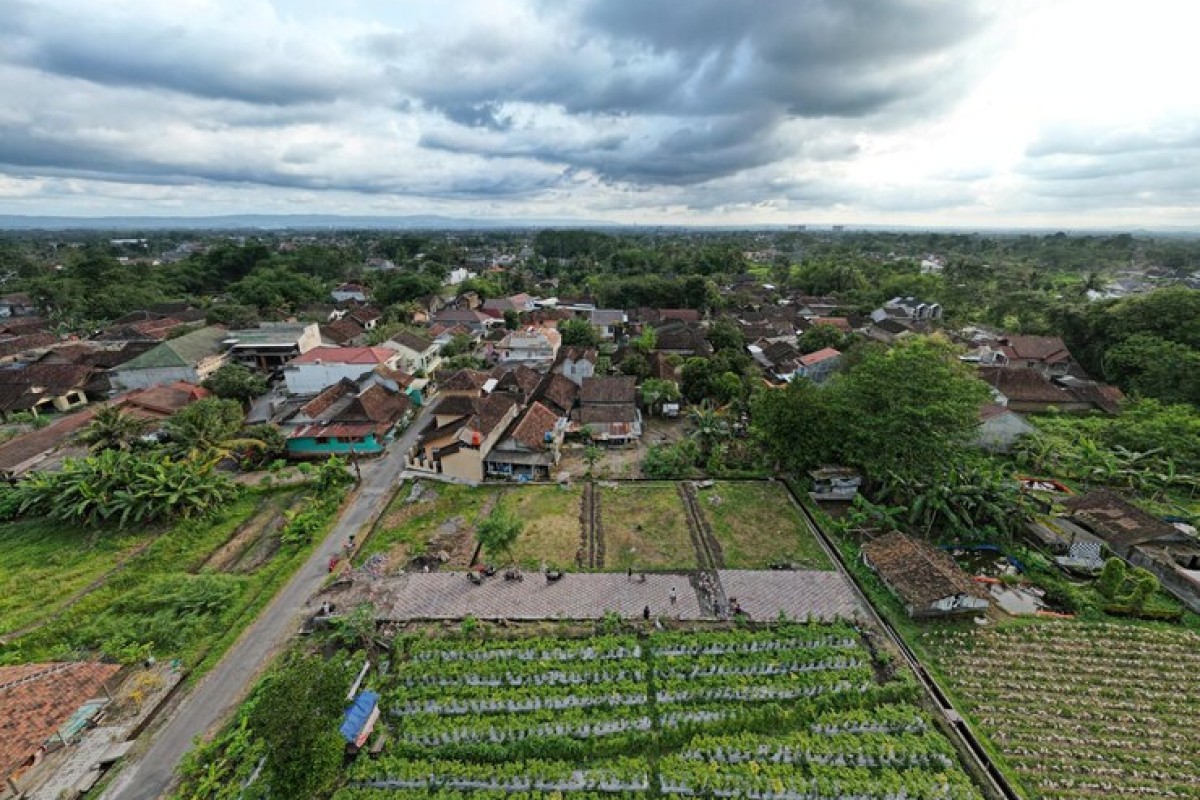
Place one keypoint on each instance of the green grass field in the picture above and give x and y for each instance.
(757, 526)
(552, 526)
(161, 601)
(645, 528)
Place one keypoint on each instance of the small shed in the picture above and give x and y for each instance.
(925, 579)
(835, 483)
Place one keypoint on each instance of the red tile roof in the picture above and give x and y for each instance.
(821, 355)
(1046, 349)
(36, 699)
(160, 402)
(346, 355)
(533, 426)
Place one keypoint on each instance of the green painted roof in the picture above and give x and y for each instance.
(184, 351)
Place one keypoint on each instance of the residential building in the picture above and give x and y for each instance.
(1047, 354)
(914, 309)
(835, 483)
(576, 363)
(157, 403)
(476, 321)
(44, 387)
(271, 345)
(343, 332)
(347, 418)
(606, 321)
(531, 346)
(365, 317)
(1142, 540)
(417, 353)
(322, 367)
(530, 448)
(350, 292)
(1028, 390)
(818, 366)
(925, 579)
(17, 304)
(14, 347)
(458, 275)
(191, 357)
(36, 702)
(463, 433)
(683, 338)
(608, 410)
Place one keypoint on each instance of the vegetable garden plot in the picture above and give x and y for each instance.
(789, 713)
(1083, 710)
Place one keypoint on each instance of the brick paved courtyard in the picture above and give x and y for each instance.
(799, 595)
(449, 595)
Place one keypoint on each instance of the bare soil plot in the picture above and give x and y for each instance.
(645, 527)
(758, 527)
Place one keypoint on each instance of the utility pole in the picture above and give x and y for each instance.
(357, 470)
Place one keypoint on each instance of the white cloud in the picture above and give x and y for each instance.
(931, 112)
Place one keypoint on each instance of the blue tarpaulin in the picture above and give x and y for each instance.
(357, 715)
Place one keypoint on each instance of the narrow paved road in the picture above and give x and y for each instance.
(226, 685)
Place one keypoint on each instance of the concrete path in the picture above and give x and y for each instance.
(219, 692)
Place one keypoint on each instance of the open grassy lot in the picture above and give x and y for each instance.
(46, 563)
(429, 517)
(171, 598)
(552, 526)
(757, 526)
(442, 518)
(645, 527)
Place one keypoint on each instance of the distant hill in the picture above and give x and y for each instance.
(284, 222)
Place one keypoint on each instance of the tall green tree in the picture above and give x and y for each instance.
(236, 382)
(498, 532)
(578, 333)
(908, 409)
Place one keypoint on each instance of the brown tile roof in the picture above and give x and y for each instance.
(603, 415)
(533, 426)
(681, 314)
(412, 341)
(107, 359)
(1024, 385)
(327, 397)
(342, 332)
(1047, 349)
(160, 402)
(32, 341)
(1120, 523)
(54, 378)
(36, 699)
(918, 572)
(19, 453)
(780, 352)
(524, 379)
(577, 353)
(561, 392)
(22, 325)
(75, 353)
(823, 354)
(464, 380)
(491, 409)
(455, 405)
(364, 315)
(377, 404)
(621, 389)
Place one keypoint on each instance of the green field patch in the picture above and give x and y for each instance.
(645, 527)
(757, 527)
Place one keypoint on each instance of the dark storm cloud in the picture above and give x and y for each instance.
(176, 57)
(708, 87)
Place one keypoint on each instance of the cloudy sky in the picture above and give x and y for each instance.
(922, 112)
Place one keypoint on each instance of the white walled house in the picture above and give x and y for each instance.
(417, 354)
(322, 367)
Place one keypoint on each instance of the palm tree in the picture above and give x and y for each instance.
(208, 431)
(113, 429)
(710, 427)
